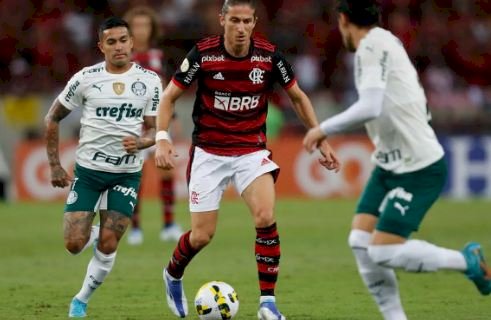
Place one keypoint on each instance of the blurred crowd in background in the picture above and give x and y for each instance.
(44, 42)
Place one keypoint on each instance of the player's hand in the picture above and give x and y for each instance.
(165, 154)
(59, 177)
(314, 139)
(329, 160)
(131, 144)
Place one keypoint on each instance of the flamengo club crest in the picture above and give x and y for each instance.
(118, 88)
(256, 76)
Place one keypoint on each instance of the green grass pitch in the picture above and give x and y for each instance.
(318, 278)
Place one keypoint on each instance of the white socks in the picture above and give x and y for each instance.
(99, 267)
(381, 282)
(94, 234)
(417, 256)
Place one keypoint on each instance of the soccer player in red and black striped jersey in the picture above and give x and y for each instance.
(144, 25)
(235, 74)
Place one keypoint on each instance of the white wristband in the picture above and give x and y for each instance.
(162, 135)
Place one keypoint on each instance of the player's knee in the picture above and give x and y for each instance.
(200, 239)
(264, 217)
(107, 246)
(359, 239)
(75, 246)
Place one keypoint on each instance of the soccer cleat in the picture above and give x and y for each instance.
(135, 237)
(268, 311)
(176, 299)
(77, 309)
(171, 233)
(477, 269)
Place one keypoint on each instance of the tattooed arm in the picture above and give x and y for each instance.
(132, 144)
(59, 177)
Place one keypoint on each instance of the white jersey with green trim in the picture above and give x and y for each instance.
(113, 107)
(404, 141)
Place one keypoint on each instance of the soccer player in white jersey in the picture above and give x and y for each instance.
(409, 169)
(116, 98)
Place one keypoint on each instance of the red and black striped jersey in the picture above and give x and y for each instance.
(231, 103)
(151, 60)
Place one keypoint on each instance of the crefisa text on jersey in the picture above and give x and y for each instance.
(126, 110)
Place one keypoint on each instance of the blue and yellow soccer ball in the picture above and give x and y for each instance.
(216, 300)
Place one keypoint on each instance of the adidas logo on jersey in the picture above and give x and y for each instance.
(218, 76)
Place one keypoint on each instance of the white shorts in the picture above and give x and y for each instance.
(210, 174)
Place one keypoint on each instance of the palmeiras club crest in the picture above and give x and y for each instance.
(139, 88)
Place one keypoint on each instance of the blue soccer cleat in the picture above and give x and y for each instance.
(176, 299)
(77, 309)
(477, 270)
(268, 311)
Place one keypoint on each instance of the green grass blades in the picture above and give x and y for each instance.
(318, 278)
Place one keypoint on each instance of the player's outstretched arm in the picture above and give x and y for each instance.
(165, 153)
(303, 107)
(57, 112)
(133, 144)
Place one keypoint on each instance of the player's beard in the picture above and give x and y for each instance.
(120, 62)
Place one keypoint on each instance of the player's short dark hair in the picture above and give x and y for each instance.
(145, 11)
(363, 13)
(112, 22)
(230, 3)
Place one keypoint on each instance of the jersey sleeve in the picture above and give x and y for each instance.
(283, 71)
(72, 95)
(154, 101)
(372, 64)
(189, 69)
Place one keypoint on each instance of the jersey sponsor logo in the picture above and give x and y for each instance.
(118, 88)
(139, 88)
(94, 70)
(261, 59)
(191, 73)
(126, 110)
(184, 65)
(194, 197)
(390, 156)
(98, 87)
(114, 160)
(383, 64)
(257, 76)
(126, 191)
(71, 91)
(72, 197)
(284, 73)
(218, 76)
(212, 58)
(401, 208)
(398, 194)
(155, 98)
(137, 66)
(236, 103)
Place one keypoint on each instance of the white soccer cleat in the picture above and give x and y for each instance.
(174, 292)
(135, 237)
(268, 311)
(171, 233)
